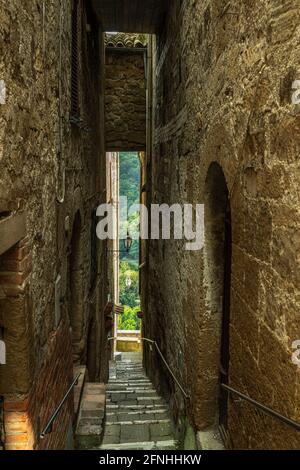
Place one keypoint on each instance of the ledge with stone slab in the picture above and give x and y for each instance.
(90, 424)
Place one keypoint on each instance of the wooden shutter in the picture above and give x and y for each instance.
(74, 65)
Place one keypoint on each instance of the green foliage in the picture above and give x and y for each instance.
(129, 295)
(130, 177)
(129, 319)
(130, 187)
(129, 263)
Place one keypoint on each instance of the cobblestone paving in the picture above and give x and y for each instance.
(136, 417)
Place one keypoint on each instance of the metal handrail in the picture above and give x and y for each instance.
(167, 366)
(269, 411)
(48, 428)
(265, 409)
(164, 361)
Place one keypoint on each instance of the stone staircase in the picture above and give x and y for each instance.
(136, 417)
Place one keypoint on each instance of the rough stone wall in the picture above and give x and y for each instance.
(1, 425)
(224, 74)
(26, 416)
(39, 149)
(125, 101)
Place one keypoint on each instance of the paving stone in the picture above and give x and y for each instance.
(145, 401)
(128, 402)
(112, 418)
(136, 416)
(90, 421)
(112, 434)
(110, 440)
(113, 430)
(135, 433)
(160, 430)
(92, 405)
(94, 389)
(92, 413)
(161, 416)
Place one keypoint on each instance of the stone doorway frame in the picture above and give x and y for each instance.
(15, 320)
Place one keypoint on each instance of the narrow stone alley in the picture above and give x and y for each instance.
(137, 418)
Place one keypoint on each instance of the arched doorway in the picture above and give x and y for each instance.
(75, 289)
(218, 253)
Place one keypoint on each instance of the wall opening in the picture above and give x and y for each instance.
(15, 338)
(218, 249)
(129, 323)
(124, 184)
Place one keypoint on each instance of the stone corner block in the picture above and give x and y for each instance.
(209, 439)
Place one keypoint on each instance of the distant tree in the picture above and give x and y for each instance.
(130, 176)
(129, 295)
(130, 187)
(129, 263)
(129, 319)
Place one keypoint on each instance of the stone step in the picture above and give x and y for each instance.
(134, 432)
(133, 378)
(140, 383)
(146, 421)
(131, 386)
(143, 417)
(129, 380)
(122, 389)
(159, 445)
(111, 406)
(157, 411)
(125, 367)
(134, 401)
(119, 379)
(131, 393)
(133, 396)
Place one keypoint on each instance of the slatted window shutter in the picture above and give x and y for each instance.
(75, 109)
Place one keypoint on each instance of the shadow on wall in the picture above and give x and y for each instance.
(75, 290)
(217, 275)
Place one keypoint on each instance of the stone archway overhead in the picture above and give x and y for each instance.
(126, 41)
